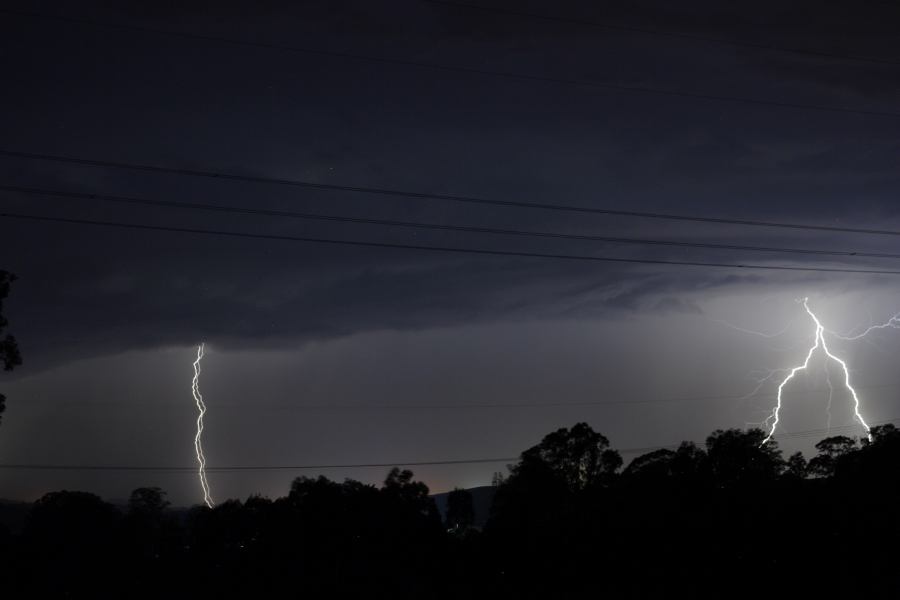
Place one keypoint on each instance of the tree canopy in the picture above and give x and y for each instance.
(689, 521)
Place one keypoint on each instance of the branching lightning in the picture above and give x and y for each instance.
(892, 323)
(754, 332)
(820, 343)
(201, 407)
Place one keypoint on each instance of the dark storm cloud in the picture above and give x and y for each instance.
(193, 104)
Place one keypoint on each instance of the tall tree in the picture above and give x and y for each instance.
(796, 466)
(741, 458)
(9, 349)
(460, 511)
(149, 501)
(580, 457)
(831, 451)
(144, 523)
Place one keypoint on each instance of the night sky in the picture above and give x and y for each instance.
(324, 354)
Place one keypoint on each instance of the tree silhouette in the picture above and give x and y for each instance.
(690, 465)
(650, 468)
(400, 486)
(566, 523)
(460, 511)
(546, 514)
(796, 466)
(72, 532)
(579, 457)
(831, 451)
(76, 519)
(9, 349)
(148, 529)
(739, 458)
(872, 463)
(147, 501)
(407, 501)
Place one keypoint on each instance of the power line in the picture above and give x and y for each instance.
(454, 68)
(222, 175)
(676, 399)
(446, 249)
(433, 226)
(807, 433)
(485, 405)
(664, 33)
(58, 467)
(414, 463)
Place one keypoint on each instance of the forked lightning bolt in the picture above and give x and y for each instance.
(820, 343)
(201, 407)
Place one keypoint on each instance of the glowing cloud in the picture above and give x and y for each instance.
(201, 407)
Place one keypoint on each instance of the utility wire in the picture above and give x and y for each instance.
(664, 33)
(446, 249)
(807, 433)
(486, 405)
(431, 226)
(56, 467)
(222, 175)
(633, 89)
(414, 463)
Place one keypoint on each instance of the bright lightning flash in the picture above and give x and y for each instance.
(820, 343)
(198, 398)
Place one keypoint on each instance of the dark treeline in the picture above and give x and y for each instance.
(730, 519)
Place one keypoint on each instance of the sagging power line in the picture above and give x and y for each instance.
(229, 176)
(443, 249)
(244, 210)
(413, 463)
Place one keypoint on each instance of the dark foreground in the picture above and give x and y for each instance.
(731, 520)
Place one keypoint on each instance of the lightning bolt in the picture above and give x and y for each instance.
(754, 332)
(892, 323)
(830, 397)
(820, 343)
(201, 407)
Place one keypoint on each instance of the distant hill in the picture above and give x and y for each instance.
(482, 498)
